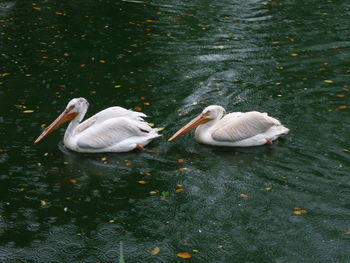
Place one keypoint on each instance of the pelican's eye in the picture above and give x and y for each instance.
(206, 114)
(70, 108)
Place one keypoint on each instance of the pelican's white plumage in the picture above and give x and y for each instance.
(114, 129)
(234, 129)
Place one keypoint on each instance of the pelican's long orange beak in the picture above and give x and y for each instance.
(65, 116)
(200, 119)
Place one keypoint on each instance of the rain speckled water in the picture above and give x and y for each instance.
(287, 202)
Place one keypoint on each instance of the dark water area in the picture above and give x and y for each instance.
(288, 202)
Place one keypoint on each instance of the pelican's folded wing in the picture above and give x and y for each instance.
(110, 113)
(240, 126)
(111, 132)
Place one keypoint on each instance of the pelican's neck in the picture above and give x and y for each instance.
(70, 132)
(202, 131)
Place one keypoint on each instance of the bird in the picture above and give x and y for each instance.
(238, 129)
(114, 129)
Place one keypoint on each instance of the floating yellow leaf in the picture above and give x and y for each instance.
(42, 203)
(179, 190)
(220, 246)
(117, 86)
(73, 181)
(279, 67)
(294, 54)
(28, 111)
(328, 81)
(195, 250)
(180, 185)
(243, 195)
(153, 192)
(142, 182)
(66, 54)
(111, 221)
(102, 61)
(137, 108)
(155, 251)
(344, 150)
(20, 106)
(184, 255)
(299, 211)
(60, 13)
(275, 42)
(146, 103)
(103, 159)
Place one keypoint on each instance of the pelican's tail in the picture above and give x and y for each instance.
(154, 134)
(276, 131)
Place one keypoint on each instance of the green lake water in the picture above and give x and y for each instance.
(288, 202)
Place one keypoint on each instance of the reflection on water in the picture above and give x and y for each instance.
(6, 8)
(173, 59)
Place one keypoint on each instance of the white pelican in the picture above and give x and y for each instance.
(114, 129)
(239, 129)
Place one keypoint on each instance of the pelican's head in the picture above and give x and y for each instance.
(78, 106)
(212, 112)
(75, 109)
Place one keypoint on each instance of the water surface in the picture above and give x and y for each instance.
(171, 59)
